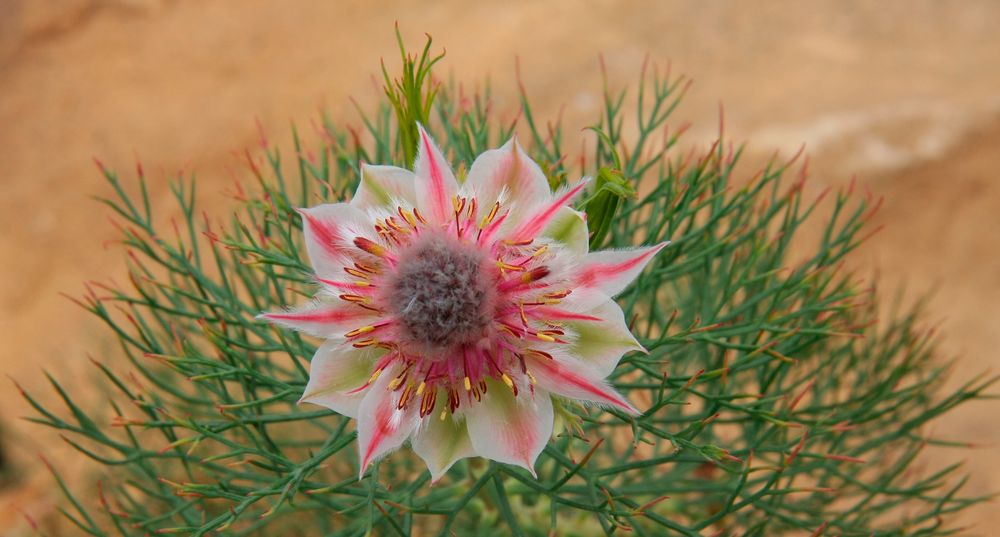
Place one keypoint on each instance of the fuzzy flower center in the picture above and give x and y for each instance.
(440, 293)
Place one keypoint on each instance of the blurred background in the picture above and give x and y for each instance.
(902, 94)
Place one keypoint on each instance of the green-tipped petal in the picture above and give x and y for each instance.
(337, 369)
(508, 428)
(601, 344)
(569, 228)
(442, 442)
(384, 186)
(382, 427)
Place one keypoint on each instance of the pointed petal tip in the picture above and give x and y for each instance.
(630, 409)
(364, 466)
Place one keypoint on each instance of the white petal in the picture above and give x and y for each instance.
(510, 429)
(508, 172)
(602, 275)
(330, 230)
(441, 443)
(336, 369)
(569, 228)
(601, 344)
(541, 215)
(326, 320)
(382, 186)
(435, 183)
(381, 426)
(571, 378)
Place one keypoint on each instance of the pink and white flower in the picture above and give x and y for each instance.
(455, 313)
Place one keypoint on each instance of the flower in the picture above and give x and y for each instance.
(455, 313)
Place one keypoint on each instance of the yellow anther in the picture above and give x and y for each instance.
(370, 246)
(408, 216)
(374, 376)
(444, 414)
(531, 377)
(506, 266)
(468, 384)
(357, 299)
(355, 272)
(507, 380)
(540, 251)
(393, 224)
(394, 383)
(419, 216)
(545, 337)
(489, 217)
(420, 389)
(365, 343)
(359, 331)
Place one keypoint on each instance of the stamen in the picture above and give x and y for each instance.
(428, 401)
(502, 265)
(405, 396)
(507, 380)
(395, 225)
(370, 247)
(535, 274)
(419, 217)
(408, 217)
(355, 272)
(542, 354)
(366, 343)
(459, 205)
(489, 217)
(359, 331)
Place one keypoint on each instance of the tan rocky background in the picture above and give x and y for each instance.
(904, 94)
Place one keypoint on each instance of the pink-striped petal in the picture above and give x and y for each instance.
(540, 217)
(435, 183)
(442, 443)
(509, 175)
(602, 275)
(381, 426)
(330, 231)
(324, 320)
(508, 428)
(335, 372)
(384, 186)
(571, 378)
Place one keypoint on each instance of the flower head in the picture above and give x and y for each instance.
(454, 313)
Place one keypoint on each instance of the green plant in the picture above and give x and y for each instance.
(774, 400)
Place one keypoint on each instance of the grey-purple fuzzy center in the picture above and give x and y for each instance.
(440, 293)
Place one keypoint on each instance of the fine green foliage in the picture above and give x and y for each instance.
(774, 401)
